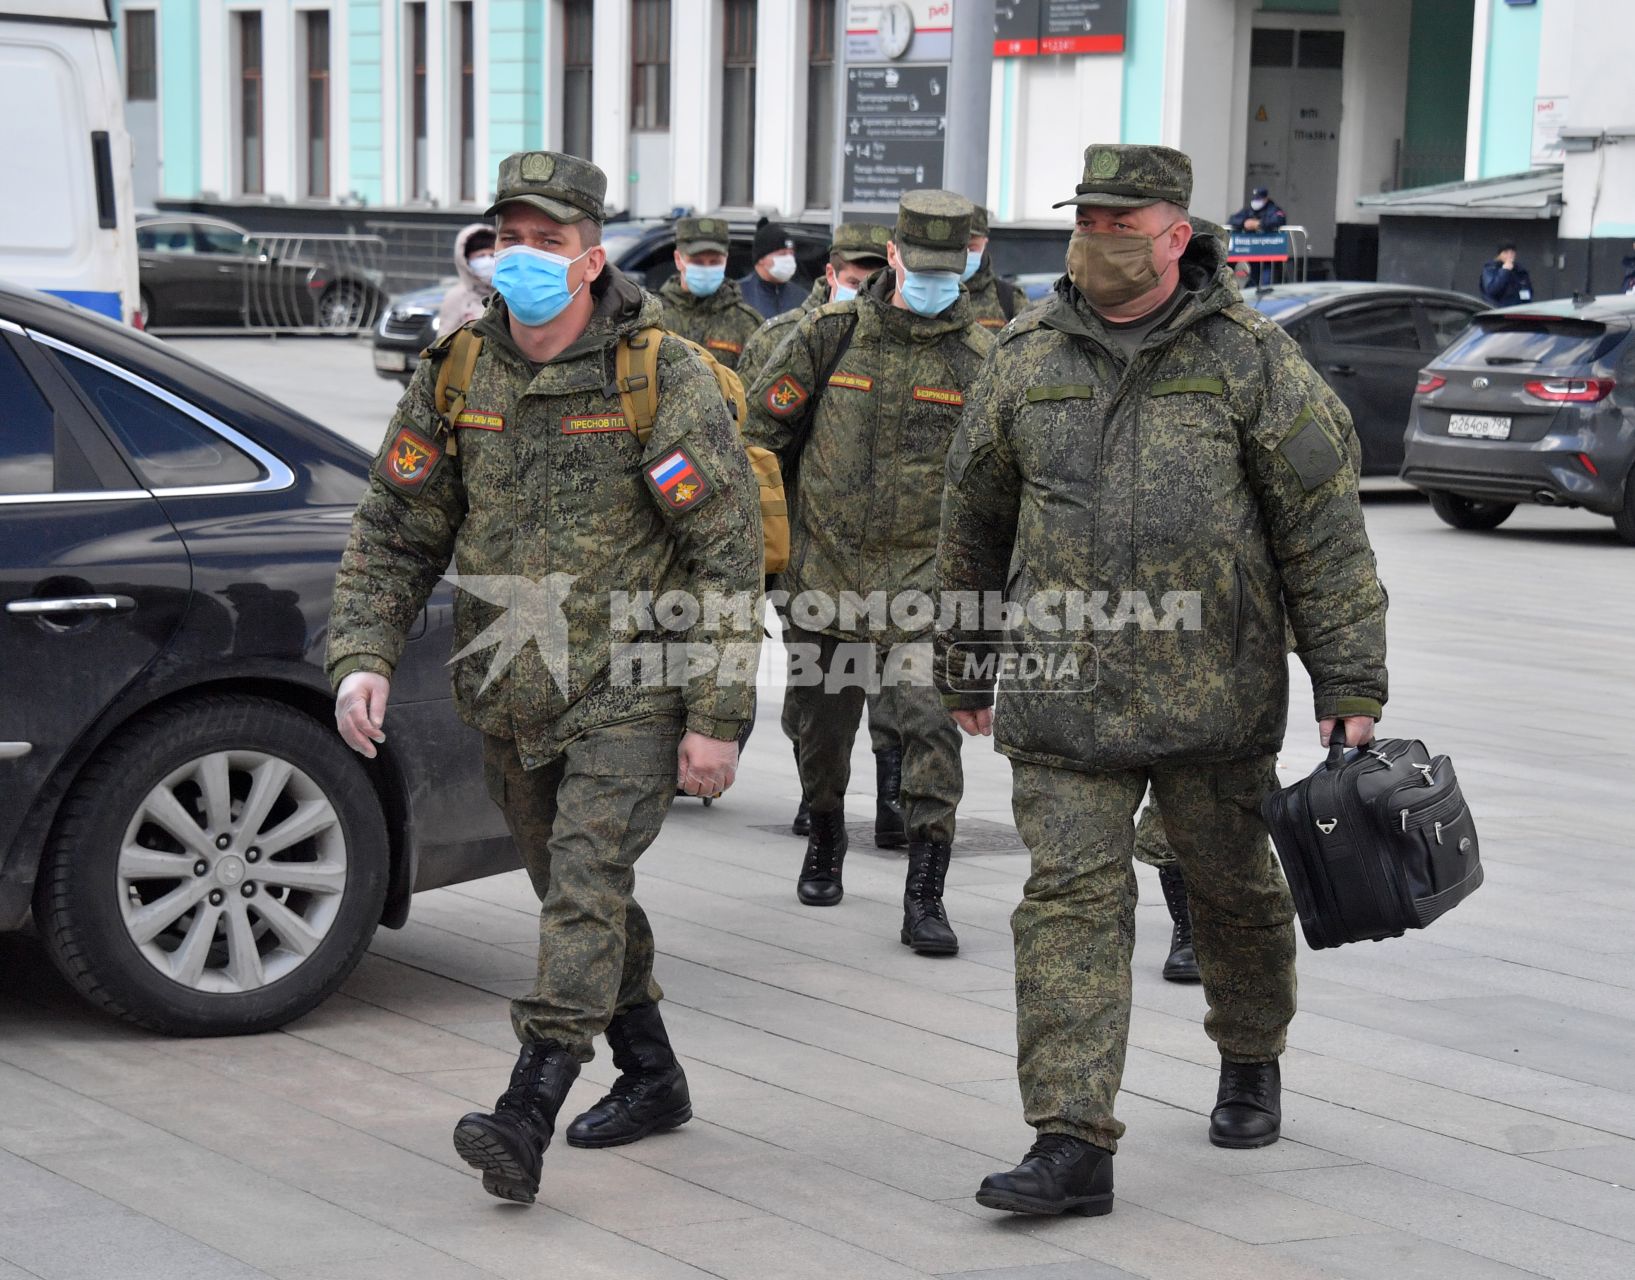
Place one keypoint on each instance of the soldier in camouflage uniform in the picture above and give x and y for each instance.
(700, 303)
(546, 503)
(993, 300)
(857, 251)
(1149, 436)
(861, 402)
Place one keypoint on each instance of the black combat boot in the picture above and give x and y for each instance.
(1249, 1106)
(819, 884)
(890, 831)
(508, 1145)
(1182, 965)
(651, 1091)
(925, 923)
(1059, 1174)
(802, 825)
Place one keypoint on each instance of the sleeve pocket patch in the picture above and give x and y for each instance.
(1066, 391)
(1310, 453)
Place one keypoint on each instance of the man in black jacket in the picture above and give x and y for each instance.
(770, 288)
(1505, 282)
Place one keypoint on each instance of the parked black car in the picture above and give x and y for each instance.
(1369, 342)
(201, 852)
(1530, 404)
(205, 271)
(643, 249)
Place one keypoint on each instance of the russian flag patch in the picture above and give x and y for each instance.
(678, 480)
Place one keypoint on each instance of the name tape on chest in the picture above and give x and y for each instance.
(852, 381)
(785, 396)
(409, 460)
(721, 344)
(940, 395)
(590, 424)
(679, 480)
(479, 421)
(991, 322)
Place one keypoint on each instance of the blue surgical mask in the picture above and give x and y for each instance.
(702, 281)
(973, 261)
(930, 293)
(842, 293)
(534, 283)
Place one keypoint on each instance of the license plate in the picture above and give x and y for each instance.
(391, 361)
(1479, 426)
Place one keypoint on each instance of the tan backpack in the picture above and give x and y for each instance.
(636, 374)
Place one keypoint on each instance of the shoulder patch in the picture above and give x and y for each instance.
(785, 396)
(1310, 453)
(409, 461)
(678, 480)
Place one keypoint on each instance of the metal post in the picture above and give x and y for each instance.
(965, 166)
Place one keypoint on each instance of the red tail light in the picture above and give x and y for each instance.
(1588, 464)
(1571, 390)
(136, 320)
(1428, 382)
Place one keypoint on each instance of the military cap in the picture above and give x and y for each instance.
(1121, 176)
(932, 228)
(562, 186)
(861, 242)
(979, 220)
(702, 235)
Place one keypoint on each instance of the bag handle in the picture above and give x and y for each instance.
(1336, 744)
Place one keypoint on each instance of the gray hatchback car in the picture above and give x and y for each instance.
(1534, 403)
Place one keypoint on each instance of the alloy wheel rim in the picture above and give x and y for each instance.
(231, 871)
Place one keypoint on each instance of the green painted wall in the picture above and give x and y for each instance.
(516, 54)
(365, 57)
(179, 99)
(1512, 84)
(1141, 114)
(1433, 137)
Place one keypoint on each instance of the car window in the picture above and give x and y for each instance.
(1274, 304)
(1550, 341)
(220, 240)
(165, 237)
(1447, 323)
(1390, 325)
(27, 434)
(168, 448)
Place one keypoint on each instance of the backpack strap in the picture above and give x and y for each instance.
(454, 380)
(636, 377)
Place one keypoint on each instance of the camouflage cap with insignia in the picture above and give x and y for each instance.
(1123, 176)
(861, 242)
(979, 220)
(561, 186)
(702, 235)
(932, 228)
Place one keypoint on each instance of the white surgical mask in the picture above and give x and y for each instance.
(1257, 204)
(782, 268)
(482, 266)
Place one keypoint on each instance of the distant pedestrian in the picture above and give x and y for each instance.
(1261, 216)
(1505, 281)
(770, 287)
(474, 264)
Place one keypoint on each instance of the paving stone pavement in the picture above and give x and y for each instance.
(1458, 1104)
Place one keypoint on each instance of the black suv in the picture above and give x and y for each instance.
(1530, 404)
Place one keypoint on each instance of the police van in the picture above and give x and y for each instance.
(67, 225)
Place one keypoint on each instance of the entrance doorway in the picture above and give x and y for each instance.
(1294, 126)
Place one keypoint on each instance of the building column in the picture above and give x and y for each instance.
(781, 51)
(695, 107)
(610, 93)
(367, 59)
(280, 171)
(1202, 103)
(180, 137)
(515, 52)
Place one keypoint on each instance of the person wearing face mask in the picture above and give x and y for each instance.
(1260, 216)
(474, 264)
(857, 252)
(700, 303)
(1142, 437)
(993, 298)
(546, 503)
(770, 287)
(860, 402)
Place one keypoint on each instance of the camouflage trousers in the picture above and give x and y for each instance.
(1152, 846)
(826, 723)
(1075, 927)
(580, 822)
(885, 733)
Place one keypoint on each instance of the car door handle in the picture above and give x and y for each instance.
(15, 750)
(71, 604)
(1341, 370)
(226, 271)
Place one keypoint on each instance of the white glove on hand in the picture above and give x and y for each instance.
(360, 710)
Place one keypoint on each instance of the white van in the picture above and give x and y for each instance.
(67, 225)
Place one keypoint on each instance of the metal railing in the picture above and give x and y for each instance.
(308, 283)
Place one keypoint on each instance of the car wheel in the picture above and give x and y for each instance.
(144, 308)
(1624, 518)
(343, 308)
(1470, 513)
(218, 868)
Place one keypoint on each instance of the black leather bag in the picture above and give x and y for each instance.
(1375, 842)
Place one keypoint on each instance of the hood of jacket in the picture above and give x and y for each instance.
(461, 268)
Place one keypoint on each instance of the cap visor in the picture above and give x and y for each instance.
(919, 257)
(868, 256)
(555, 209)
(1107, 202)
(702, 246)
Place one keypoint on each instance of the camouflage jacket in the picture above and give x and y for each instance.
(1216, 465)
(870, 447)
(758, 350)
(548, 506)
(721, 323)
(986, 309)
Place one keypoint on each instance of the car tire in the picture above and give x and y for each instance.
(1624, 518)
(344, 308)
(154, 845)
(1469, 513)
(144, 307)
